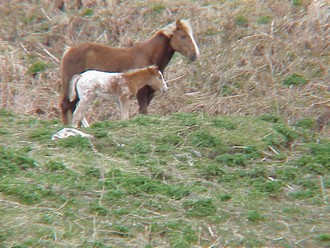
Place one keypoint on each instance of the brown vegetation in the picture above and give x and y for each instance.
(248, 48)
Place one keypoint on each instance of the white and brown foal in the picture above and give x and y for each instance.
(121, 87)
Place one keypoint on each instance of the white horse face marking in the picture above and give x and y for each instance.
(157, 81)
(164, 89)
(183, 40)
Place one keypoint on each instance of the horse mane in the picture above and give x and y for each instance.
(137, 74)
(170, 28)
(130, 71)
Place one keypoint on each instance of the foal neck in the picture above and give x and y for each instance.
(138, 79)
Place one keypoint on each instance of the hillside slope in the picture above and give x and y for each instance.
(256, 56)
(236, 155)
(181, 180)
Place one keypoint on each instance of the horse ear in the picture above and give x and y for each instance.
(178, 24)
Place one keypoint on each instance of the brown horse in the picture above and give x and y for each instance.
(158, 50)
(121, 87)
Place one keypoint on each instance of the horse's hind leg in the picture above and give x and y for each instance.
(84, 121)
(79, 113)
(65, 106)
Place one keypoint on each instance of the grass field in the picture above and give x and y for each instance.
(182, 180)
(236, 155)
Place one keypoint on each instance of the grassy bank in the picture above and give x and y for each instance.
(183, 180)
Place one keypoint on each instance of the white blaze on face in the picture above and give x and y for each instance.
(191, 35)
(164, 88)
(194, 42)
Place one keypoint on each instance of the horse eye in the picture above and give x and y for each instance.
(183, 36)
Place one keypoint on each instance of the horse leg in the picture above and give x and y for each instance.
(150, 95)
(84, 121)
(124, 108)
(79, 113)
(65, 106)
(141, 97)
(144, 97)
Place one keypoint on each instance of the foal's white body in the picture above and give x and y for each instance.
(121, 87)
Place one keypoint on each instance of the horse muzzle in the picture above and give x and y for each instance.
(164, 89)
(193, 56)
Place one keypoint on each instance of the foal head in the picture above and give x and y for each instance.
(157, 81)
(182, 39)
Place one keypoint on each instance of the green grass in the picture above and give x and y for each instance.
(157, 181)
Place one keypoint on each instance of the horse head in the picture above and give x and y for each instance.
(157, 81)
(183, 41)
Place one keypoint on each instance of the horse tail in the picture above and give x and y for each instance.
(73, 87)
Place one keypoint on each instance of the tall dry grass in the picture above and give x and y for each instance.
(248, 48)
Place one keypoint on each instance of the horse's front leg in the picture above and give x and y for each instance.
(141, 97)
(150, 96)
(144, 97)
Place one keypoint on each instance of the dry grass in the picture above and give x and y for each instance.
(247, 47)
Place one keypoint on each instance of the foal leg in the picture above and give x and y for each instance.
(124, 103)
(84, 122)
(79, 113)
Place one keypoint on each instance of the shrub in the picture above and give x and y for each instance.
(12, 161)
(55, 166)
(264, 19)
(178, 192)
(212, 170)
(205, 139)
(297, 3)
(294, 79)
(241, 21)
(225, 197)
(324, 237)
(74, 142)
(200, 208)
(36, 68)
(255, 216)
(87, 12)
(141, 148)
(99, 209)
(41, 133)
(273, 118)
(306, 123)
(158, 8)
(232, 159)
(316, 160)
(288, 133)
(221, 123)
(271, 187)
